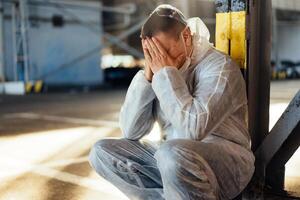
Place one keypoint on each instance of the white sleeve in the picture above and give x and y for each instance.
(198, 114)
(136, 117)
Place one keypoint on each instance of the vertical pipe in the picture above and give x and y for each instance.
(14, 41)
(2, 75)
(275, 37)
(24, 26)
(101, 27)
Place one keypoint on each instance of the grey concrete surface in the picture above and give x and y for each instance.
(45, 140)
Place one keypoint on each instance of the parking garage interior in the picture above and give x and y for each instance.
(65, 67)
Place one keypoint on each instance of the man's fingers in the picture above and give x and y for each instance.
(154, 48)
(145, 50)
(150, 49)
(160, 48)
(147, 55)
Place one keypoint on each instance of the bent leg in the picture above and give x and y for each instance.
(129, 165)
(186, 175)
(200, 170)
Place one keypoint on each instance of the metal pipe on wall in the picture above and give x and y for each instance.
(14, 42)
(2, 73)
(24, 27)
(275, 37)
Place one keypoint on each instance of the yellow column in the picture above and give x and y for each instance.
(231, 35)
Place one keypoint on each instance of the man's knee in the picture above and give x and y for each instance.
(174, 155)
(168, 156)
(178, 161)
(98, 151)
(104, 149)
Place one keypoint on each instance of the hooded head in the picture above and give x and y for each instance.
(169, 26)
(178, 35)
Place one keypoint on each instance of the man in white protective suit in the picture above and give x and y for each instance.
(198, 97)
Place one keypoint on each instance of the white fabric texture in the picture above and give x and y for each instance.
(201, 109)
(205, 99)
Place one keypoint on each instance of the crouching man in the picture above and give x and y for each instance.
(198, 97)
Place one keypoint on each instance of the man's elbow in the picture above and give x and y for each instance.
(136, 131)
(131, 134)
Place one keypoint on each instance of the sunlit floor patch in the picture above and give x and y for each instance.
(276, 109)
(42, 153)
(72, 120)
(292, 173)
(34, 186)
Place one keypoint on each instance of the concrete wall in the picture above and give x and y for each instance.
(288, 41)
(286, 4)
(52, 47)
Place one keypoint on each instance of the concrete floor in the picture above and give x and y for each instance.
(45, 140)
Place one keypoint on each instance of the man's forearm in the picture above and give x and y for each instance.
(136, 116)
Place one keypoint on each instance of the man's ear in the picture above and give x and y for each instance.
(187, 36)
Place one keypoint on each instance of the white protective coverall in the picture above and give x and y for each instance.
(201, 109)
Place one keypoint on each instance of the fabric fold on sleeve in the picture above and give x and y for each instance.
(136, 117)
(193, 116)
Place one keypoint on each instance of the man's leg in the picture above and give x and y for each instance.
(185, 173)
(129, 165)
(193, 170)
